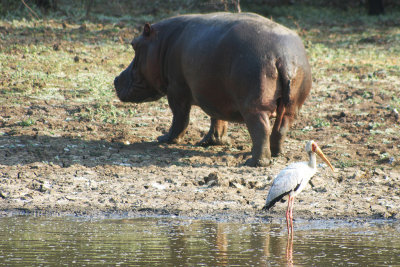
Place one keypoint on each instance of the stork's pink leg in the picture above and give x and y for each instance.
(291, 213)
(288, 214)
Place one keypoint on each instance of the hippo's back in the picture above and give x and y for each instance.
(232, 34)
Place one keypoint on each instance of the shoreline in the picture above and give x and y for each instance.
(218, 217)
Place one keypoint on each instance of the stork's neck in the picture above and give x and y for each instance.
(313, 160)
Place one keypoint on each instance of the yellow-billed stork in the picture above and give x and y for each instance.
(292, 180)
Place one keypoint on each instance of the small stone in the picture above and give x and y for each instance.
(320, 189)
(252, 184)
(211, 177)
(2, 195)
(380, 211)
(236, 185)
(56, 47)
(212, 183)
(396, 114)
(356, 175)
(83, 27)
(380, 74)
(214, 179)
(379, 172)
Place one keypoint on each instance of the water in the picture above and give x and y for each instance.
(50, 241)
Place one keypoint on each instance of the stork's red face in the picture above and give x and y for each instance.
(314, 147)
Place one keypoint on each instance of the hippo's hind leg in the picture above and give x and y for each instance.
(216, 134)
(284, 119)
(259, 128)
(180, 107)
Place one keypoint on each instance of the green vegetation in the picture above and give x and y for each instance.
(27, 123)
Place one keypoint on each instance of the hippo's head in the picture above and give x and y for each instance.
(141, 81)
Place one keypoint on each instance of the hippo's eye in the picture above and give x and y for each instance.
(134, 44)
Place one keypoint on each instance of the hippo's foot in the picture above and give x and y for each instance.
(166, 138)
(275, 151)
(251, 162)
(209, 141)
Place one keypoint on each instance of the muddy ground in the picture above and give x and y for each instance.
(61, 154)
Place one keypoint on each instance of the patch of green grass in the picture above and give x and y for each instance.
(103, 112)
(346, 163)
(374, 125)
(354, 100)
(320, 123)
(27, 123)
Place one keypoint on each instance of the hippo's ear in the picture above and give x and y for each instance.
(147, 30)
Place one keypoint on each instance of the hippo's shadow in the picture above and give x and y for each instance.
(66, 151)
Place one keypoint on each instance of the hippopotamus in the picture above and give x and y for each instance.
(237, 67)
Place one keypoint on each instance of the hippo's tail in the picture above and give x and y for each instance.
(285, 79)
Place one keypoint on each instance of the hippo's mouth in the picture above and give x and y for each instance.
(145, 96)
(136, 92)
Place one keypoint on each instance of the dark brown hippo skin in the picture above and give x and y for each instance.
(237, 67)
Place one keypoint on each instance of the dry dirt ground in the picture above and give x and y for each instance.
(63, 153)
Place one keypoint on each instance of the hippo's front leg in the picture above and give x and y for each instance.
(180, 107)
(259, 128)
(216, 134)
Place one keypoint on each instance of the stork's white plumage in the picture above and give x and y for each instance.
(292, 180)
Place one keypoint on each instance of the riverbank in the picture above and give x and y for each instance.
(189, 191)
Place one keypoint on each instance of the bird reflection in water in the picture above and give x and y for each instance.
(289, 250)
(222, 245)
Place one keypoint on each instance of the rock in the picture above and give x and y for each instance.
(358, 174)
(396, 114)
(236, 185)
(213, 176)
(252, 184)
(380, 74)
(320, 189)
(158, 186)
(56, 47)
(214, 179)
(379, 172)
(212, 183)
(83, 27)
(379, 211)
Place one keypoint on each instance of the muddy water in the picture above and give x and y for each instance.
(28, 240)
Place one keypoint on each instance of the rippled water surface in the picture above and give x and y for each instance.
(26, 240)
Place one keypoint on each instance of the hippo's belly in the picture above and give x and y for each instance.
(222, 109)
